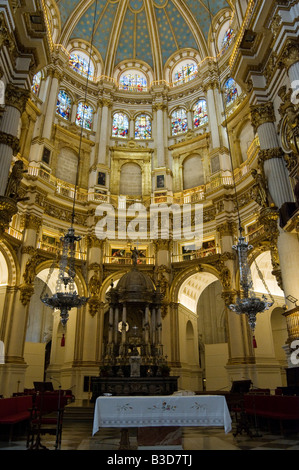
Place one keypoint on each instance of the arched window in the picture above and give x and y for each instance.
(63, 105)
(184, 72)
(36, 83)
(120, 125)
(227, 39)
(84, 116)
(81, 64)
(200, 114)
(230, 91)
(133, 81)
(143, 127)
(179, 122)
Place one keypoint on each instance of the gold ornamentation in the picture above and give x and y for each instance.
(260, 192)
(290, 54)
(11, 141)
(30, 269)
(16, 97)
(26, 291)
(261, 114)
(290, 120)
(8, 208)
(31, 221)
(268, 154)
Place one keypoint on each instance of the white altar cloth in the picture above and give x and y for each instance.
(170, 410)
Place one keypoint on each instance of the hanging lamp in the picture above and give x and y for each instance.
(66, 297)
(246, 302)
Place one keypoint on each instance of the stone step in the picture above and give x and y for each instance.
(79, 411)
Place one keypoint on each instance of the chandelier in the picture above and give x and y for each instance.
(246, 303)
(66, 297)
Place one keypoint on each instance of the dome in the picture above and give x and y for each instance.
(135, 286)
(149, 33)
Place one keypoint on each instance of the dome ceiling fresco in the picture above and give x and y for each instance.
(148, 31)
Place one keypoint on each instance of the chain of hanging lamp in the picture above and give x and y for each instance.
(66, 297)
(246, 303)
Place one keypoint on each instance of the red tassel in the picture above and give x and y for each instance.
(62, 341)
(254, 342)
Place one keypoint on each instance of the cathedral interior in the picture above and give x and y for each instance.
(196, 102)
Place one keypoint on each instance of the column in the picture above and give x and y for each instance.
(272, 163)
(212, 115)
(15, 102)
(104, 132)
(55, 78)
(159, 108)
(124, 321)
(116, 321)
(110, 329)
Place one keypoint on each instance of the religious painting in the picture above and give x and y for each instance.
(84, 116)
(160, 181)
(101, 178)
(200, 114)
(143, 127)
(63, 105)
(179, 123)
(120, 125)
(81, 65)
(46, 155)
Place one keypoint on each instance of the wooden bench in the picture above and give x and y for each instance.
(15, 410)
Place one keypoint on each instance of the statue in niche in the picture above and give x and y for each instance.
(262, 196)
(30, 269)
(14, 180)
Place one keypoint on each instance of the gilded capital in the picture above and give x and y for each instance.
(268, 154)
(261, 114)
(11, 141)
(31, 221)
(16, 97)
(290, 54)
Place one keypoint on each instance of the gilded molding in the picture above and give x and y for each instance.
(290, 54)
(31, 221)
(268, 154)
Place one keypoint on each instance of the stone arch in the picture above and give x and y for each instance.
(12, 265)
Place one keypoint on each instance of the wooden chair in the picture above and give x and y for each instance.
(46, 418)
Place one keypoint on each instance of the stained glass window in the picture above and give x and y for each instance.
(230, 91)
(133, 82)
(36, 83)
(184, 73)
(120, 125)
(143, 127)
(228, 37)
(84, 115)
(200, 114)
(63, 105)
(179, 122)
(81, 64)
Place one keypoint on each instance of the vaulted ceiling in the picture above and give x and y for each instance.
(149, 31)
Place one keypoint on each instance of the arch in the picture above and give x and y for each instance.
(136, 65)
(264, 264)
(130, 183)
(187, 273)
(12, 266)
(176, 58)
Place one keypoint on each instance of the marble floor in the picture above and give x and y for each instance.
(77, 436)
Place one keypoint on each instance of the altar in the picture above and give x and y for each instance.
(169, 412)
